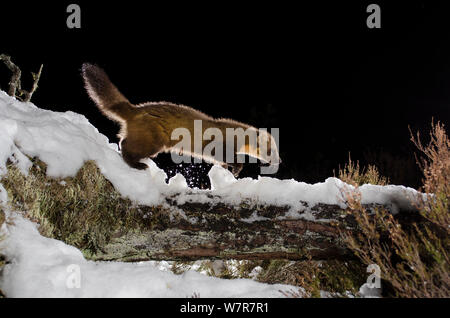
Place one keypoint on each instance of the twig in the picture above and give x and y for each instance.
(15, 84)
(36, 77)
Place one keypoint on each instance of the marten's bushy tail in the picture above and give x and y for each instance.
(103, 92)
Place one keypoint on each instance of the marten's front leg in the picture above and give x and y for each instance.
(236, 168)
(133, 161)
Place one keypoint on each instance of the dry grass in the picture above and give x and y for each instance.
(355, 175)
(84, 211)
(413, 256)
(435, 165)
(334, 276)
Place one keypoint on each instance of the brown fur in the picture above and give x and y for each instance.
(146, 128)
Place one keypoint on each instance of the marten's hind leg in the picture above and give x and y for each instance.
(133, 157)
(133, 161)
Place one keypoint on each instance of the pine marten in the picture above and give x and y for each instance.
(147, 129)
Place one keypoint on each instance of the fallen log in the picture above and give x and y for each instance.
(220, 231)
(87, 212)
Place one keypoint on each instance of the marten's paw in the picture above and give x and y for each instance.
(236, 169)
(133, 161)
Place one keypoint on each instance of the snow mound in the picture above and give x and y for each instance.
(65, 141)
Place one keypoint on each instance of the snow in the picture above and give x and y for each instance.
(65, 141)
(368, 291)
(3, 195)
(43, 267)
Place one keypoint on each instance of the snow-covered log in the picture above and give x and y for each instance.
(220, 231)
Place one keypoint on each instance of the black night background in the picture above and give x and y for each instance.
(314, 70)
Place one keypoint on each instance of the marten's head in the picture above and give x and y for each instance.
(268, 148)
(264, 147)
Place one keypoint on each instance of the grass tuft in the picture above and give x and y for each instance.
(84, 211)
(353, 174)
(334, 276)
